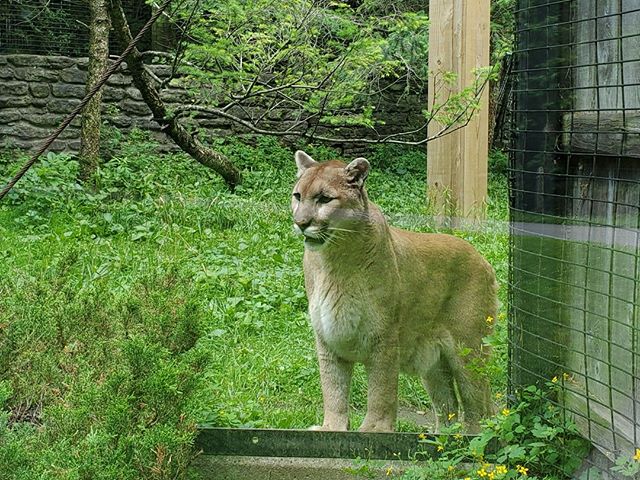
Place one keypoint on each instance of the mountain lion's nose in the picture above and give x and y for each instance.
(303, 224)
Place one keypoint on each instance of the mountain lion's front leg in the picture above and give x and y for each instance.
(382, 396)
(335, 378)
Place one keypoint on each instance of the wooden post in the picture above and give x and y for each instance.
(457, 162)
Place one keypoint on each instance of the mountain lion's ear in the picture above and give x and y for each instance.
(304, 161)
(357, 171)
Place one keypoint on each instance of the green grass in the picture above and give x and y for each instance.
(161, 299)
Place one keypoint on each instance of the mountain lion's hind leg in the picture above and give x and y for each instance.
(439, 383)
(473, 386)
(475, 394)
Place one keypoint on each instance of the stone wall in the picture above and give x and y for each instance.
(36, 92)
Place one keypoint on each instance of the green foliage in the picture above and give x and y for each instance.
(40, 27)
(627, 465)
(498, 162)
(408, 42)
(323, 55)
(533, 440)
(312, 64)
(502, 28)
(47, 184)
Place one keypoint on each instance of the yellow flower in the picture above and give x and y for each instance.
(489, 320)
(450, 468)
(422, 436)
(522, 470)
(389, 471)
(636, 457)
(491, 475)
(482, 473)
(502, 316)
(451, 416)
(566, 376)
(501, 470)
(440, 448)
(457, 436)
(554, 380)
(506, 411)
(498, 396)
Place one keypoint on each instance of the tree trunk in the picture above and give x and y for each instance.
(91, 120)
(170, 125)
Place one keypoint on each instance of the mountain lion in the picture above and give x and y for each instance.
(391, 299)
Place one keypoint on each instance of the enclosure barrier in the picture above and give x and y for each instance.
(61, 27)
(575, 211)
(230, 453)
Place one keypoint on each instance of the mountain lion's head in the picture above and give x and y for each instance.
(329, 199)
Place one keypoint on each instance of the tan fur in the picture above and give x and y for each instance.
(391, 299)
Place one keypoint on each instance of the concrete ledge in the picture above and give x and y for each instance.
(223, 467)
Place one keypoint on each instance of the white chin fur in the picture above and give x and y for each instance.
(313, 246)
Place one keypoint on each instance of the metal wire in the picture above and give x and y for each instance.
(575, 211)
(69, 118)
(59, 27)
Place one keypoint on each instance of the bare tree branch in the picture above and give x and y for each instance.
(391, 138)
(170, 125)
(460, 120)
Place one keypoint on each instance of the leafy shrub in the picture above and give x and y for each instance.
(534, 440)
(628, 465)
(498, 162)
(49, 183)
(114, 377)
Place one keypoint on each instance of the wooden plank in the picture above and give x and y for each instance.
(315, 444)
(604, 133)
(602, 295)
(457, 162)
(594, 421)
(607, 55)
(631, 53)
(585, 71)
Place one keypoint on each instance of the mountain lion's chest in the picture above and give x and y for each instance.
(343, 318)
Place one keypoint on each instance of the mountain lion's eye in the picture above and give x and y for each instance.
(296, 196)
(324, 199)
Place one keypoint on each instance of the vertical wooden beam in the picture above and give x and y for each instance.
(457, 162)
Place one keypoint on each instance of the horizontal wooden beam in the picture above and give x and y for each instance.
(603, 133)
(315, 444)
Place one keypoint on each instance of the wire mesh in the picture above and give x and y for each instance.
(58, 27)
(575, 212)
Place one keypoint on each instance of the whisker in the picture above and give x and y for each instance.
(342, 229)
(330, 239)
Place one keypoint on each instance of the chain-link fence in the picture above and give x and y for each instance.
(58, 27)
(575, 211)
